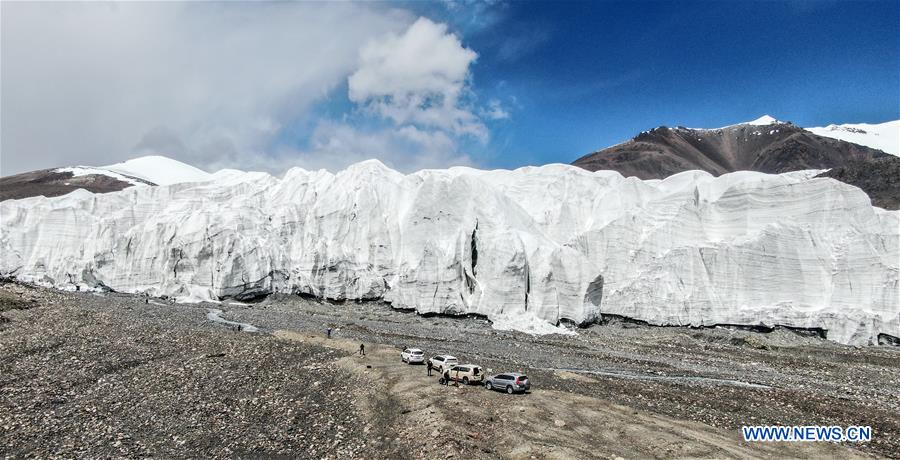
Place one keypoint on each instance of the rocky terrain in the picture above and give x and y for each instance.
(774, 147)
(880, 178)
(50, 182)
(147, 170)
(103, 374)
(96, 377)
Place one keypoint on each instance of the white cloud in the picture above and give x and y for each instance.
(234, 85)
(208, 83)
(415, 101)
(495, 110)
(418, 77)
(336, 145)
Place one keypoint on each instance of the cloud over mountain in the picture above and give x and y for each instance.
(214, 84)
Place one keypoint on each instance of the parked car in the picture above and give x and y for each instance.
(511, 382)
(441, 362)
(466, 373)
(412, 355)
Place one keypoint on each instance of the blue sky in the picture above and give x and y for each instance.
(591, 74)
(269, 86)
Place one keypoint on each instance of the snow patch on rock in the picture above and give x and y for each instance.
(88, 171)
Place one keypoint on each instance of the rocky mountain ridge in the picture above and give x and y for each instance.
(765, 145)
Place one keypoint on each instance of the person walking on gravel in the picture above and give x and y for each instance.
(362, 349)
(329, 332)
(428, 366)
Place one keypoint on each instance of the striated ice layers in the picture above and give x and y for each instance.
(544, 244)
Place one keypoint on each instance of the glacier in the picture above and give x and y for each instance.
(529, 247)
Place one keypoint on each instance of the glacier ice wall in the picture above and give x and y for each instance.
(550, 243)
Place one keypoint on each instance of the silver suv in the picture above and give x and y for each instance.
(511, 382)
(412, 355)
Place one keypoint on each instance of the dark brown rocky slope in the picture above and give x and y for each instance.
(772, 148)
(880, 178)
(50, 182)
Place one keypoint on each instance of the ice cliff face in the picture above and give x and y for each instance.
(534, 245)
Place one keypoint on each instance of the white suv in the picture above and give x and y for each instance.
(466, 373)
(441, 362)
(412, 355)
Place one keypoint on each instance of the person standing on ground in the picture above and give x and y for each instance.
(362, 349)
(428, 366)
(328, 332)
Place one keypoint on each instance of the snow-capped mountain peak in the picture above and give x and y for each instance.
(763, 121)
(882, 136)
(151, 169)
(159, 170)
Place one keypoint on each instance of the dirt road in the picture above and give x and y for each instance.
(431, 421)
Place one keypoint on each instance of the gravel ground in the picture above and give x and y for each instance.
(92, 376)
(123, 376)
